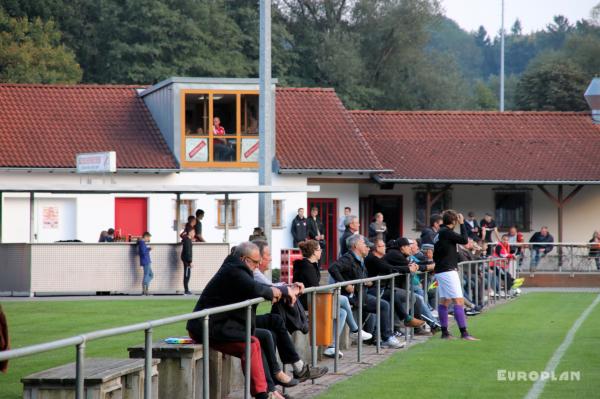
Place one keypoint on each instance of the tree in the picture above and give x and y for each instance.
(517, 28)
(31, 52)
(552, 83)
(484, 98)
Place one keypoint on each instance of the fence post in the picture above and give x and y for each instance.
(205, 359)
(378, 315)
(337, 329)
(313, 328)
(506, 288)
(248, 354)
(392, 302)
(469, 276)
(79, 371)
(408, 302)
(148, 364)
(476, 285)
(360, 323)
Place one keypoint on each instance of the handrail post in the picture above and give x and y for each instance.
(411, 295)
(148, 364)
(79, 371)
(476, 285)
(392, 303)
(205, 359)
(337, 330)
(313, 328)
(406, 328)
(469, 276)
(360, 323)
(378, 312)
(506, 266)
(248, 354)
(426, 288)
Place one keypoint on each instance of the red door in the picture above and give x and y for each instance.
(131, 217)
(328, 213)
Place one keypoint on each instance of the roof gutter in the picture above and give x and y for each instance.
(380, 179)
(332, 171)
(74, 170)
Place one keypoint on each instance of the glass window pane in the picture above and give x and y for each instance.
(225, 150)
(249, 114)
(230, 213)
(196, 114)
(196, 149)
(249, 150)
(224, 114)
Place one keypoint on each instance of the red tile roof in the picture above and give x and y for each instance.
(45, 126)
(481, 146)
(316, 132)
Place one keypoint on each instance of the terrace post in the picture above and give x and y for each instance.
(79, 370)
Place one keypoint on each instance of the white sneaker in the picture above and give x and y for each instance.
(330, 352)
(364, 335)
(392, 342)
(435, 314)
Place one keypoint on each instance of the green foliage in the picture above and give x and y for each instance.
(31, 52)
(552, 83)
(484, 97)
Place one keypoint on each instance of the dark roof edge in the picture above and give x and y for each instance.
(381, 179)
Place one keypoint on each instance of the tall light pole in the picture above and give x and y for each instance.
(502, 61)
(265, 120)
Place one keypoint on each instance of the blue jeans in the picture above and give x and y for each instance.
(535, 258)
(148, 275)
(346, 316)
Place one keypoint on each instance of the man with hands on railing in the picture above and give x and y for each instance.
(234, 283)
(350, 266)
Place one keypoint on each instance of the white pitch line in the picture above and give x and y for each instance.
(537, 388)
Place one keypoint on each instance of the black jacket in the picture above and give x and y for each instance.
(186, 249)
(347, 268)
(400, 263)
(538, 237)
(234, 282)
(343, 238)
(472, 235)
(308, 274)
(445, 253)
(313, 227)
(299, 230)
(427, 235)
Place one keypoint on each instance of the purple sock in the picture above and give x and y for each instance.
(459, 316)
(443, 315)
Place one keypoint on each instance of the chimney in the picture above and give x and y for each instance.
(592, 96)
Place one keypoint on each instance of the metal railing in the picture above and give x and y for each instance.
(565, 257)
(80, 341)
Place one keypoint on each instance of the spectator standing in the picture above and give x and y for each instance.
(145, 262)
(234, 283)
(543, 248)
(428, 233)
(595, 248)
(341, 226)
(352, 225)
(257, 234)
(198, 227)
(186, 256)
(473, 229)
(299, 228)
(103, 235)
(378, 228)
(315, 228)
(489, 232)
(111, 235)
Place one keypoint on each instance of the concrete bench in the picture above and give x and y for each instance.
(104, 379)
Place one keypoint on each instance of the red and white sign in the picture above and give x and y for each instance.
(196, 149)
(97, 162)
(250, 150)
(50, 217)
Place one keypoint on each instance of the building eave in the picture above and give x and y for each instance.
(381, 179)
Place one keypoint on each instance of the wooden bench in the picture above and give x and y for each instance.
(104, 379)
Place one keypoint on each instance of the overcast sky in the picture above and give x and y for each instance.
(534, 14)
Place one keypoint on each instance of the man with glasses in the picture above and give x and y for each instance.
(234, 283)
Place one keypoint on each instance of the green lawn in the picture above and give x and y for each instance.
(34, 322)
(521, 335)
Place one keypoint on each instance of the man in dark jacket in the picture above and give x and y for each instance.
(472, 226)
(350, 266)
(539, 251)
(316, 229)
(428, 233)
(352, 226)
(188, 235)
(378, 266)
(299, 227)
(233, 283)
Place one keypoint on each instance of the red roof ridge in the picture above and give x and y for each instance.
(72, 86)
(309, 89)
(465, 112)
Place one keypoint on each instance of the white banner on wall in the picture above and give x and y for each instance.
(196, 149)
(97, 162)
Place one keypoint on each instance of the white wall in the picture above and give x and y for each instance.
(96, 212)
